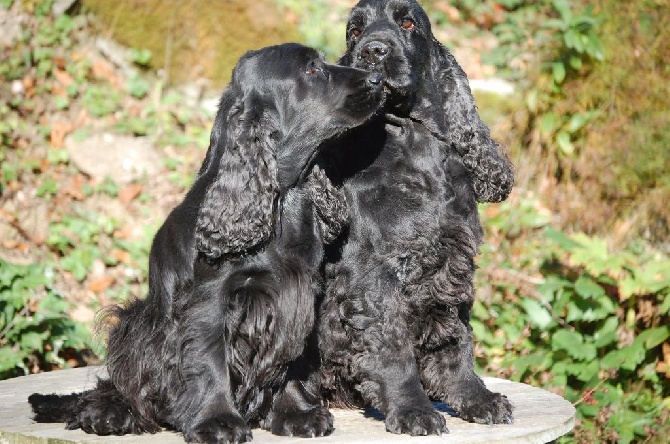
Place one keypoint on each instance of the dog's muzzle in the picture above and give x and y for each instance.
(374, 52)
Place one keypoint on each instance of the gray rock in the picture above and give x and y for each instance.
(10, 26)
(60, 7)
(121, 158)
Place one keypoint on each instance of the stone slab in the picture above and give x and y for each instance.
(540, 417)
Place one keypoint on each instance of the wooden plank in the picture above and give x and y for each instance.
(539, 417)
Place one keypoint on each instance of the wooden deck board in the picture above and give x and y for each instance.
(540, 416)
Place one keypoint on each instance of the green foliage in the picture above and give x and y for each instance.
(138, 87)
(321, 24)
(34, 326)
(47, 82)
(101, 100)
(141, 57)
(570, 313)
(568, 43)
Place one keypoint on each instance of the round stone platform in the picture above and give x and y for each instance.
(539, 417)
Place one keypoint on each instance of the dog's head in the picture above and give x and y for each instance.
(283, 104)
(394, 38)
(423, 80)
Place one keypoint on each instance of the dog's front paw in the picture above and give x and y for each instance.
(492, 408)
(104, 417)
(416, 421)
(306, 424)
(219, 430)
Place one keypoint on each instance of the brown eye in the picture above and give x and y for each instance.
(407, 23)
(311, 68)
(355, 33)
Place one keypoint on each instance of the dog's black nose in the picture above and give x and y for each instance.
(374, 52)
(375, 78)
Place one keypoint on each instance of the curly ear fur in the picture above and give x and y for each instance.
(330, 205)
(237, 211)
(486, 159)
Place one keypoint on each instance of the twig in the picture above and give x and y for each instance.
(501, 274)
(21, 313)
(14, 223)
(590, 392)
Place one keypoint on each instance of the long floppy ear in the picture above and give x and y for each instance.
(330, 205)
(463, 129)
(237, 212)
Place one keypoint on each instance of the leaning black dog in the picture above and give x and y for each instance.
(394, 329)
(225, 340)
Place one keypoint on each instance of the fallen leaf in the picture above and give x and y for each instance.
(63, 77)
(663, 367)
(100, 284)
(76, 187)
(59, 130)
(124, 232)
(59, 61)
(103, 70)
(29, 86)
(82, 314)
(122, 256)
(129, 193)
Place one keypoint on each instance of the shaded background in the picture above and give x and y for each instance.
(105, 113)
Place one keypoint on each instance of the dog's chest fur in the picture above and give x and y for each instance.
(407, 199)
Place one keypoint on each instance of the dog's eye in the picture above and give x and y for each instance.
(355, 32)
(407, 23)
(312, 68)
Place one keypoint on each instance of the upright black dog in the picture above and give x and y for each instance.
(394, 327)
(225, 339)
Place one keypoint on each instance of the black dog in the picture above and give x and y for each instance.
(394, 329)
(225, 339)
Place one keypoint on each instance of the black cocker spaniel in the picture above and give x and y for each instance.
(225, 339)
(394, 328)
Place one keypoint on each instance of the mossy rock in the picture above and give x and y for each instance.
(194, 39)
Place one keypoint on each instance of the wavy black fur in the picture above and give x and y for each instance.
(224, 340)
(394, 329)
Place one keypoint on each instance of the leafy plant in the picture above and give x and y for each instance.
(34, 326)
(568, 312)
(321, 24)
(141, 57)
(138, 87)
(101, 100)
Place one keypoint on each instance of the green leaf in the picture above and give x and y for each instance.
(48, 188)
(563, 8)
(33, 341)
(577, 121)
(141, 56)
(569, 38)
(650, 279)
(564, 143)
(584, 371)
(590, 310)
(654, 336)
(553, 24)
(665, 306)
(531, 101)
(575, 62)
(561, 239)
(558, 72)
(606, 334)
(594, 47)
(11, 357)
(549, 123)
(627, 358)
(537, 313)
(588, 288)
(573, 343)
(138, 87)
